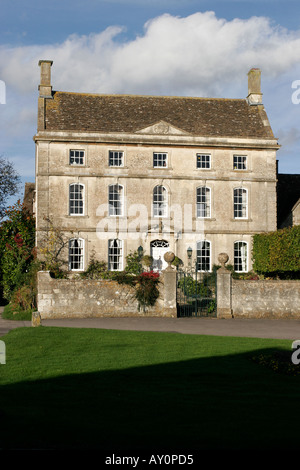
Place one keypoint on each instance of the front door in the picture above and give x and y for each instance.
(158, 249)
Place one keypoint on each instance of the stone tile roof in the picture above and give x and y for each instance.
(211, 117)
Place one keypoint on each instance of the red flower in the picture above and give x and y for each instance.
(150, 275)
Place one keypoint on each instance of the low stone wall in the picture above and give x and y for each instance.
(254, 298)
(267, 299)
(82, 298)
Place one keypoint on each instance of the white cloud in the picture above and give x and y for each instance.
(197, 55)
(200, 54)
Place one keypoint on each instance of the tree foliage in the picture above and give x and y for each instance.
(9, 184)
(17, 248)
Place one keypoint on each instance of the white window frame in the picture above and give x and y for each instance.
(240, 162)
(240, 206)
(203, 257)
(78, 154)
(160, 160)
(157, 204)
(203, 202)
(80, 254)
(74, 201)
(240, 259)
(115, 254)
(116, 200)
(116, 158)
(205, 164)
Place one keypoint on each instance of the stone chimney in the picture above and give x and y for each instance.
(45, 87)
(254, 82)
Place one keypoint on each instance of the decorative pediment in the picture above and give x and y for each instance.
(162, 128)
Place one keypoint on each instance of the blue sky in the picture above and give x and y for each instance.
(171, 47)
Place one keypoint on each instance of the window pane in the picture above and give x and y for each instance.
(203, 161)
(240, 203)
(239, 162)
(159, 160)
(203, 202)
(76, 157)
(240, 257)
(203, 256)
(76, 254)
(76, 199)
(115, 199)
(159, 201)
(115, 158)
(115, 255)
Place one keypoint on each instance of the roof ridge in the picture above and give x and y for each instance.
(147, 96)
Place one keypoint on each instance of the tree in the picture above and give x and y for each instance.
(17, 249)
(9, 183)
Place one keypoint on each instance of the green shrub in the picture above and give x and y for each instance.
(147, 261)
(147, 291)
(192, 287)
(17, 247)
(17, 313)
(277, 253)
(177, 262)
(95, 270)
(134, 263)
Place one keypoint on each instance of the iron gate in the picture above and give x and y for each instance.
(196, 293)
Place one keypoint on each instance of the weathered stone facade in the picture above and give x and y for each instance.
(215, 173)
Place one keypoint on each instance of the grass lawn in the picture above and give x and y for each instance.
(64, 388)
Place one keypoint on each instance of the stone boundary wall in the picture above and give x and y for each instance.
(267, 299)
(83, 298)
(256, 298)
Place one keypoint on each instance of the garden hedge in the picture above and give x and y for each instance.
(277, 252)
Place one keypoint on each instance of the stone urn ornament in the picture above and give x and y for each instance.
(223, 258)
(169, 258)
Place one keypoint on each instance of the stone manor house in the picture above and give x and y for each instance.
(195, 176)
